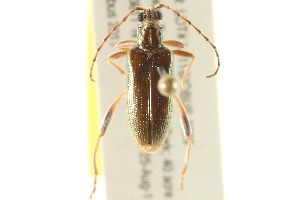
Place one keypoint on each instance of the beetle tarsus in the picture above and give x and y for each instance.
(94, 189)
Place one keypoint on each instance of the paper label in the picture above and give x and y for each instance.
(130, 173)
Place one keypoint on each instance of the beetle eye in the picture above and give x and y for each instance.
(158, 15)
(141, 17)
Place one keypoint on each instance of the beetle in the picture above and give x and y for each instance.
(150, 68)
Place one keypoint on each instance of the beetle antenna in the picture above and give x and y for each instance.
(200, 32)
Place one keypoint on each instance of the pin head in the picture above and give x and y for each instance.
(167, 85)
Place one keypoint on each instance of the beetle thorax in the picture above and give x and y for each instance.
(150, 37)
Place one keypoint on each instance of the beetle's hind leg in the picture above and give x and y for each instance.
(187, 131)
(104, 126)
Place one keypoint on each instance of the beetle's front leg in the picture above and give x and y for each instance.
(187, 131)
(104, 126)
(125, 45)
(174, 43)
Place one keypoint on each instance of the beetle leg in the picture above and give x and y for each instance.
(174, 43)
(187, 131)
(185, 54)
(123, 45)
(117, 56)
(104, 126)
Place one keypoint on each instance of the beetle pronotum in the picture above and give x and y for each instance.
(149, 61)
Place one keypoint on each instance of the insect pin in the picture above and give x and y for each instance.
(150, 84)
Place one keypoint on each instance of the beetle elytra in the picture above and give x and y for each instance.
(150, 85)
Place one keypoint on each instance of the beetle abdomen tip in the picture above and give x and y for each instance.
(150, 149)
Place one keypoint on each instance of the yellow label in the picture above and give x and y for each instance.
(93, 108)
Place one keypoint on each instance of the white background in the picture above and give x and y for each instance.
(259, 97)
(43, 108)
